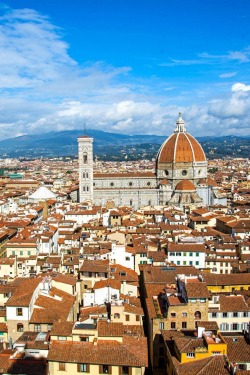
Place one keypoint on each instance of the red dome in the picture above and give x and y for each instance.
(185, 185)
(181, 147)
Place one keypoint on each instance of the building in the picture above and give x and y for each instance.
(180, 177)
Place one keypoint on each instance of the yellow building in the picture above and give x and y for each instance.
(184, 349)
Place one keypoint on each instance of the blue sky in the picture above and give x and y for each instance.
(125, 66)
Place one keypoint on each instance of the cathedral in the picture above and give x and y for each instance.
(180, 178)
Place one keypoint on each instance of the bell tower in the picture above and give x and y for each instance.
(85, 156)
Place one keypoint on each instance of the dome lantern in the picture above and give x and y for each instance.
(180, 124)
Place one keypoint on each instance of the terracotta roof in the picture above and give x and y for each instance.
(62, 328)
(54, 307)
(238, 349)
(95, 266)
(111, 329)
(181, 148)
(226, 279)
(232, 303)
(23, 293)
(185, 185)
(110, 176)
(65, 279)
(107, 283)
(103, 352)
(197, 290)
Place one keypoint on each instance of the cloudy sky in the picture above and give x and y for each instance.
(125, 66)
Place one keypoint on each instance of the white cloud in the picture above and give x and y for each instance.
(228, 75)
(44, 89)
(240, 87)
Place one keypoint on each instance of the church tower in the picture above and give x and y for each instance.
(85, 155)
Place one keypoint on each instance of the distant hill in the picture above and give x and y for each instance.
(113, 146)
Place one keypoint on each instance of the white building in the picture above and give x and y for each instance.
(180, 177)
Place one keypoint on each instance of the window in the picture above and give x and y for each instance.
(116, 316)
(127, 318)
(184, 325)
(127, 258)
(19, 311)
(197, 315)
(37, 327)
(82, 367)
(173, 314)
(216, 353)
(184, 314)
(85, 158)
(197, 254)
(61, 338)
(184, 263)
(190, 263)
(124, 370)
(105, 369)
(191, 254)
(137, 318)
(224, 327)
(84, 339)
(19, 327)
(62, 366)
(173, 325)
(214, 314)
(190, 355)
(245, 314)
(197, 263)
(184, 254)
(178, 263)
(161, 325)
(224, 315)
(184, 172)
(235, 314)
(234, 326)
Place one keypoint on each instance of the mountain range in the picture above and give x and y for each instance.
(112, 145)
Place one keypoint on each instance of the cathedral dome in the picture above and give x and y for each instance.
(185, 185)
(207, 181)
(181, 147)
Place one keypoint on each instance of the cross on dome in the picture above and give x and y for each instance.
(180, 124)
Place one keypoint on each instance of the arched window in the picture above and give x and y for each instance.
(197, 315)
(85, 158)
(83, 175)
(19, 327)
(116, 316)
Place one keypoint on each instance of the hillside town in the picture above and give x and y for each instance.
(107, 289)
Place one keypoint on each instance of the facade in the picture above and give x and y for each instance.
(180, 177)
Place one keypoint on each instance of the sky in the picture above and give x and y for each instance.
(125, 66)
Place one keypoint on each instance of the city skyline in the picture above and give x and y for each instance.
(124, 67)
